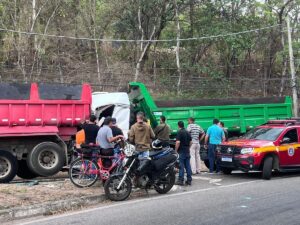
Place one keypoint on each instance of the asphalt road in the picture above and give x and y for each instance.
(213, 199)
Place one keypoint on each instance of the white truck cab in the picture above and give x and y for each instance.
(115, 104)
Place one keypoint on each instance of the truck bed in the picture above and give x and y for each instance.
(44, 104)
(238, 114)
(218, 102)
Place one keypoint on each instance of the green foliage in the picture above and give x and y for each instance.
(209, 62)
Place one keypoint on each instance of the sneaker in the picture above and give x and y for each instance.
(188, 183)
(180, 183)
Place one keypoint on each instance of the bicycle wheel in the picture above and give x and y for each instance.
(83, 172)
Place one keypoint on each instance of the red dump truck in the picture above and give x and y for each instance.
(37, 122)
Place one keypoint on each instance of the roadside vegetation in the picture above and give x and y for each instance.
(251, 61)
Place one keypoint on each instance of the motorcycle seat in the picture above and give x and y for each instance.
(153, 153)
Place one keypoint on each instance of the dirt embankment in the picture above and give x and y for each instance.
(42, 190)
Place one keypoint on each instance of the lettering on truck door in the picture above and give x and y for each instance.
(289, 149)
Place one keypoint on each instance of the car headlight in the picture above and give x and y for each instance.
(218, 149)
(247, 150)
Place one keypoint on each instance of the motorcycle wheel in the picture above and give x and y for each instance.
(165, 185)
(82, 173)
(111, 191)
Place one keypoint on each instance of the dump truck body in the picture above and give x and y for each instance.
(239, 115)
(36, 123)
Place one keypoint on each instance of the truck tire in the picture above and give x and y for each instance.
(267, 168)
(46, 159)
(226, 171)
(8, 166)
(24, 172)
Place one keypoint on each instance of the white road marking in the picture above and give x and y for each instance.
(174, 188)
(201, 178)
(139, 201)
(215, 181)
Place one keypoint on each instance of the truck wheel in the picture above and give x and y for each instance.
(46, 159)
(23, 170)
(267, 168)
(8, 166)
(226, 171)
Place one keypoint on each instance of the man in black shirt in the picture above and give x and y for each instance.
(183, 143)
(91, 130)
(115, 129)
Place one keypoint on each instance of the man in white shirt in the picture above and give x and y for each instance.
(197, 134)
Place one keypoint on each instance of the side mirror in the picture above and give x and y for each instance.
(285, 140)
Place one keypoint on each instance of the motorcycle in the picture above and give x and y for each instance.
(157, 172)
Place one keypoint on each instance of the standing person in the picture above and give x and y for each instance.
(163, 131)
(215, 135)
(182, 146)
(115, 129)
(222, 125)
(90, 130)
(105, 136)
(197, 134)
(141, 135)
(115, 132)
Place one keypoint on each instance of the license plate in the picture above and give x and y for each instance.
(226, 159)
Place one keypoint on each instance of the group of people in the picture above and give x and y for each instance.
(105, 136)
(141, 135)
(188, 146)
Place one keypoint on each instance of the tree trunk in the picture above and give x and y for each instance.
(33, 22)
(138, 64)
(96, 44)
(177, 48)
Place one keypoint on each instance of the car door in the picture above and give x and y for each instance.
(289, 151)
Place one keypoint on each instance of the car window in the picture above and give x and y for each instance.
(268, 134)
(292, 135)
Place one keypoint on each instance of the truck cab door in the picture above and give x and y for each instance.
(289, 149)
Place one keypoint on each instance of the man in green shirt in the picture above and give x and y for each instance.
(163, 131)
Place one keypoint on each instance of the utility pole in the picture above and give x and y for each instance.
(292, 67)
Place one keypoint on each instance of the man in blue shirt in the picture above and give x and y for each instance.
(214, 136)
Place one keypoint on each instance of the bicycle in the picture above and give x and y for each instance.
(91, 165)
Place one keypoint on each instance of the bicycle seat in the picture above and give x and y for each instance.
(88, 149)
(93, 146)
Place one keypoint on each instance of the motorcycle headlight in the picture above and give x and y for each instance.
(129, 149)
(247, 150)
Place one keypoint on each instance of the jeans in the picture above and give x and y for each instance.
(212, 158)
(195, 158)
(117, 151)
(184, 160)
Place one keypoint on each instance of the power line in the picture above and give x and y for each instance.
(128, 40)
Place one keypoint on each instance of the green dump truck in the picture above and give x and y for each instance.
(239, 115)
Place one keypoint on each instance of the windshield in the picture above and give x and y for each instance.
(268, 134)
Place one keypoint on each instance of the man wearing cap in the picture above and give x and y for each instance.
(105, 136)
(115, 129)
